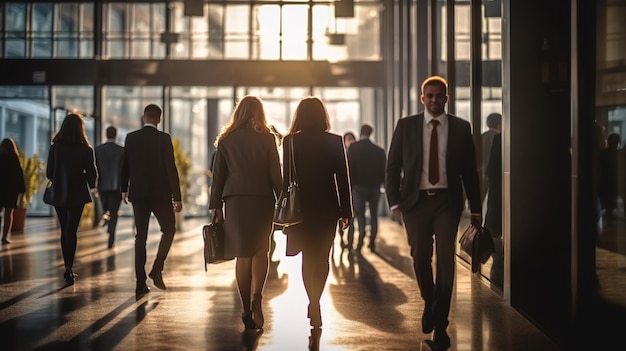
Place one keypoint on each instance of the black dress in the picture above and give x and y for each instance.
(11, 180)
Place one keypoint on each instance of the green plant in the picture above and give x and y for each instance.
(183, 165)
(34, 177)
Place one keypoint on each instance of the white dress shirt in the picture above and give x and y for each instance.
(442, 139)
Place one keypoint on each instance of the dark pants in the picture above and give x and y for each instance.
(362, 197)
(69, 219)
(164, 214)
(111, 201)
(433, 216)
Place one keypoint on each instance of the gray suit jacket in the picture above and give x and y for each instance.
(404, 164)
(246, 163)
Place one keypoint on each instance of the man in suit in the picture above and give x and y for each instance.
(154, 187)
(426, 191)
(109, 162)
(366, 161)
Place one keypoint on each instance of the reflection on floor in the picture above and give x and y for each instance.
(370, 303)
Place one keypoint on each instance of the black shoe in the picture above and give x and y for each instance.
(157, 279)
(257, 311)
(69, 276)
(427, 320)
(442, 340)
(142, 290)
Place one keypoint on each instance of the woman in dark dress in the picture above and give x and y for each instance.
(11, 184)
(72, 168)
(246, 183)
(322, 172)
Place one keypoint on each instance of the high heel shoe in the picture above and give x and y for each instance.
(69, 276)
(257, 311)
(315, 316)
(248, 322)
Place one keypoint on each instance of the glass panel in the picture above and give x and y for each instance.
(266, 38)
(611, 176)
(216, 31)
(294, 32)
(462, 27)
(237, 21)
(15, 27)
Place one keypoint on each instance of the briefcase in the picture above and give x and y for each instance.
(477, 242)
(214, 243)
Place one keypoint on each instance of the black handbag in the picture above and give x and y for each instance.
(48, 194)
(477, 242)
(287, 211)
(214, 243)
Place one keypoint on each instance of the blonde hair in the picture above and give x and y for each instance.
(249, 111)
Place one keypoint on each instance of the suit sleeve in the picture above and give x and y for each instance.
(343, 184)
(394, 167)
(91, 171)
(274, 170)
(220, 172)
(50, 163)
(469, 171)
(125, 170)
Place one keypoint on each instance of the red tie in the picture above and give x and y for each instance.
(433, 162)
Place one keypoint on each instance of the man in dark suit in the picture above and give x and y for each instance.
(426, 190)
(109, 162)
(366, 161)
(154, 188)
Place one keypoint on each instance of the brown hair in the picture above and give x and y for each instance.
(72, 131)
(311, 114)
(435, 80)
(7, 146)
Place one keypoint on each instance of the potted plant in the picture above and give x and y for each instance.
(34, 177)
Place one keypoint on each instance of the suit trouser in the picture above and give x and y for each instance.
(164, 214)
(433, 215)
(362, 197)
(111, 201)
(69, 219)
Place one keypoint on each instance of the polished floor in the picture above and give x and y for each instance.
(371, 300)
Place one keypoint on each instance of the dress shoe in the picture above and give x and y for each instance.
(315, 316)
(248, 322)
(427, 320)
(142, 290)
(157, 279)
(442, 340)
(69, 276)
(257, 311)
(6, 241)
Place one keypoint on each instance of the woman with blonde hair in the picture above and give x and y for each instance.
(11, 184)
(246, 184)
(72, 168)
(322, 171)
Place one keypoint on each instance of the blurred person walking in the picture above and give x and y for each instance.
(11, 184)
(246, 183)
(322, 170)
(72, 169)
(348, 139)
(109, 162)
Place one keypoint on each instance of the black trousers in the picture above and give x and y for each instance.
(69, 219)
(111, 201)
(433, 217)
(164, 214)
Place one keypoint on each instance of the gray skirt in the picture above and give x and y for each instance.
(247, 224)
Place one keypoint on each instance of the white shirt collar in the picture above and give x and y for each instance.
(442, 118)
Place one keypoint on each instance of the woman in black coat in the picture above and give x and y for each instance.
(322, 174)
(11, 184)
(71, 167)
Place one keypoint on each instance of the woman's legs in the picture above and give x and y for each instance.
(69, 219)
(251, 274)
(315, 268)
(8, 223)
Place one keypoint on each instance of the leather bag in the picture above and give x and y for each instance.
(214, 243)
(287, 211)
(48, 194)
(477, 242)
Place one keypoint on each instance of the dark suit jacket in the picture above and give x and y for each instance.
(320, 159)
(404, 164)
(149, 166)
(367, 164)
(11, 180)
(246, 163)
(72, 169)
(109, 162)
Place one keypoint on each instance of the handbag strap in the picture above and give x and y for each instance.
(292, 161)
